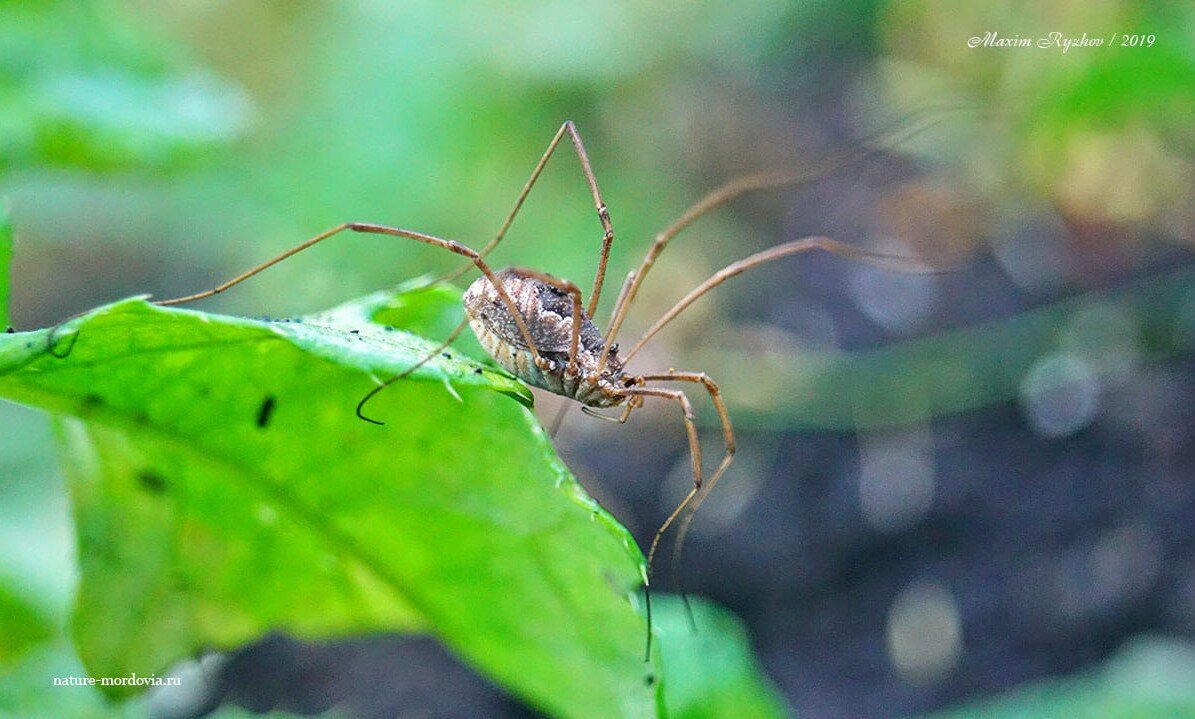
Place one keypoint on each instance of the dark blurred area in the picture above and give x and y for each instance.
(949, 484)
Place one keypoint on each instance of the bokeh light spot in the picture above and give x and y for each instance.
(1060, 395)
(896, 479)
(924, 633)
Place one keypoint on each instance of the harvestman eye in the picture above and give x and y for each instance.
(537, 327)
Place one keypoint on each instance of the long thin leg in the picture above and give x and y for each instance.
(905, 128)
(694, 453)
(718, 197)
(354, 226)
(259, 268)
(368, 228)
(622, 293)
(695, 458)
(568, 128)
(405, 373)
(244, 275)
(620, 419)
(903, 264)
(727, 437)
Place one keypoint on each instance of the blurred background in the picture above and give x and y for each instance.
(950, 488)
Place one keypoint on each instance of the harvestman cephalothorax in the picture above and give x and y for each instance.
(539, 328)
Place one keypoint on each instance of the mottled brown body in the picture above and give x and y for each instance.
(548, 313)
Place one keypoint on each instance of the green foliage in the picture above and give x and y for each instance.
(223, 487)
(22, 624)
(126, 101)
(1147, 679)
(711, 672)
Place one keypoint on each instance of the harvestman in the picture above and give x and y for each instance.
(538, 328)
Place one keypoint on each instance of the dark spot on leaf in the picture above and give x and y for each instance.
(388, 328)
(445, 355)
(354, 332)
(477, 371)
(650, 679)
(264, 412)
(9, 330)
(151, 481)
(92, 400)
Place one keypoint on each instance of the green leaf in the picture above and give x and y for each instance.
(22, 625)
(205, 519)
(5, 259)
(1150, 677)
(710, 673)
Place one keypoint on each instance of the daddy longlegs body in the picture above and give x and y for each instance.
(539, 328)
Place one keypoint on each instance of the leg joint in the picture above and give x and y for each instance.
(462, 250)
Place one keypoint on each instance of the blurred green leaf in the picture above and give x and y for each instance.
(84, 86)
(205, 519)
(1149, 678)
(1131, 103)
(36, 557)
(953, 371)
(710, 673)
(22, 625)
